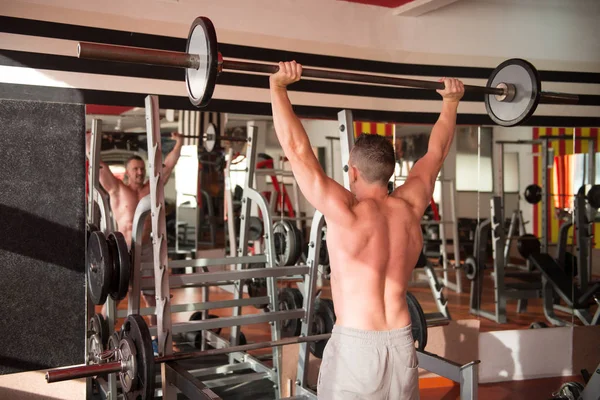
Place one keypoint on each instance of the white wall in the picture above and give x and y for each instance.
(468, 32)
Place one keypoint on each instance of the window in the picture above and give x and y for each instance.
(474, 173)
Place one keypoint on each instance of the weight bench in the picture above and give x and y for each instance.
(563, 285)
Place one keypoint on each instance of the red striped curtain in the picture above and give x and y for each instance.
(379, 128)
(560, 183)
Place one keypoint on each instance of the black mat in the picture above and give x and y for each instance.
(42, 221)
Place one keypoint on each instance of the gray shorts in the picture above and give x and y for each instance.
(359, 364)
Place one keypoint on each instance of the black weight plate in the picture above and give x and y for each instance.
(202, 40)
(99, 325)
(533, 194)
(136, 330)
(299, 244)
(471, 268)
(242, 339)
(286, 243)
(538, 325)
(526, 81)
(99, 268)
(113, 341)
(593, 196)
(122, 259)
(417, 320)
(197, 316)
(114, 282)
(290, 299)
(256, 229)
(528, 244)
(323, 322)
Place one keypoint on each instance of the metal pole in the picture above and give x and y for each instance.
(159, 239)
(82, 371)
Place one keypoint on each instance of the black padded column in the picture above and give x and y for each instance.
(42, 240)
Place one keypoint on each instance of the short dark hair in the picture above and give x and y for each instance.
(373, 155)
(134, 157)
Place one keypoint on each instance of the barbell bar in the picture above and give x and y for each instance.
(512, 94)
(85, 371)
(209, 138)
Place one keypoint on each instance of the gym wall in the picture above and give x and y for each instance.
(458, 40)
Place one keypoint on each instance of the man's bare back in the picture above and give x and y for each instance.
(374, 241)
(374, 257)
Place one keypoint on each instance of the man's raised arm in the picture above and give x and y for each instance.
(172, 158)
(325, 194)
(418, 188)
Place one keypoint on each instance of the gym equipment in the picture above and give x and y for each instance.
(288, 242)
(137, 342)
(512, 93)
(209, 139)
(97, 337)
(527, 245)
(255, 229)
(290, 299)
(121, 265)
(533, 194)
(417, 320)
(108, 267)
(470, 268)
(538, 325)
(99, 268)
(323, 322)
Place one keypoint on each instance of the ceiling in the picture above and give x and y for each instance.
(382, 3)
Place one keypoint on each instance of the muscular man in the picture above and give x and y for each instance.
(124, 198)
(374, 241)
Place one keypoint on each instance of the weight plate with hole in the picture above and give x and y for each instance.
(99, 325)
(417, 320)
(202, 40)
(255, 228)
(210, 137)
(470, 268)
(136, 330)
(525, 80)
(323, 322)
(290, 299)
(286, 243)
(99, 268)
(122, 261)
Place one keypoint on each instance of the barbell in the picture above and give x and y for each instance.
(209, 138)
(533, 194)
(512, 94)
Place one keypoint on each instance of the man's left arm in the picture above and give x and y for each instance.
(172, 158)
(325, 194)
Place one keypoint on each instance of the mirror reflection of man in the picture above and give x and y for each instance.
(125, 196)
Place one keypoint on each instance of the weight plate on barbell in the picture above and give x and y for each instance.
(323, 322)
(98, 325)
(255, 228)
(99, 268)
(210, 137)
(290, 299)
(202, 40)
(527, 245)
(122, 262)
(417, 321)
(533, 194)
(287, 249)
(525, 79)
(136, 330)
(593, 196)
(471, 268)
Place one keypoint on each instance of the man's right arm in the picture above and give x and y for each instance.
(109, 182)
(418, 188)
